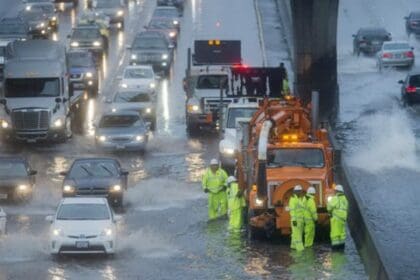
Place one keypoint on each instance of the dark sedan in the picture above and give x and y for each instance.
(369, 40)
(17, 179)
(412, 23)
(38, 22)
(102, 177)
(410, 88)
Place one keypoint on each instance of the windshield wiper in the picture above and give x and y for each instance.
(105, 168)
(86, 170)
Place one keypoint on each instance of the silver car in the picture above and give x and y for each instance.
(114, 9)
(139, 100)
(119, 131)
(395, 54)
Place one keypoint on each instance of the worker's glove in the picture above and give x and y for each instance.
(294, 223)
(206, 190)
(239, 195)
(224, 188)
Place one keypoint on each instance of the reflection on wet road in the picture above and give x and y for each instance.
(165, 233)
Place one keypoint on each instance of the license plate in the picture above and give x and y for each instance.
(120, 147)
(398, 56)
(78, 86)
(82, 244)
(3, 195)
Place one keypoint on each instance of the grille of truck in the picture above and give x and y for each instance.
(92, 191)
(31, 119)
(212, 105)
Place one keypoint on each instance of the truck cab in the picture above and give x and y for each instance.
(242, 110)
(35, 100)
(207, 80)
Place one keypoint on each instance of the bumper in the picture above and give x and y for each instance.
(370, 48)
(83, 84)
(41, 33)
(96, 245)
(412, 97)
(7, 193)
(201, 119)
(397, 62)
(127, 146)
(33, 136)
(116, 19)
(158, 66)
(92, 49)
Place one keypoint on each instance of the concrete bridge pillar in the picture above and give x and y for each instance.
(315, 52)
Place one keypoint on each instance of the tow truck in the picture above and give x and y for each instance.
(283, 146)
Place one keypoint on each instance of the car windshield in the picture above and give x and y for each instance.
(138, 73)
(374, 34)
(88, 33)
(396, 46)
(150, 43)
(79, 60)
(118, 121)
(210, 81)
(235, 113)
(131, 96)
(33, 15)
(83, 211)
(287, 157)
(415, 16)
(415, 81)
(36, 87)
(105, 4)
(46, 8)
(85, 169)
(161, 24)
(16, 28)
(166, 13)
(12, 169)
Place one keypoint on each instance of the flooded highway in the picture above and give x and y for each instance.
(164, 233)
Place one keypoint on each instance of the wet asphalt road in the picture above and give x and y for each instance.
(165, 233)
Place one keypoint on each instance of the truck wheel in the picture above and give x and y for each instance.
(192, 129)
(253, 232)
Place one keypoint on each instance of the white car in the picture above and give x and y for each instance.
(83, 225)
(240, 111)
(138, 77)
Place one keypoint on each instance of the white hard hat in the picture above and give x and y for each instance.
(214, 162)
(231, 179)
(311, 190)
(339, 188)
(297, 188)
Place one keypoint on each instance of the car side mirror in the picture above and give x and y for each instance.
(405, 17)
(58, 100)
(63, 173)
(33, 172)
(412, 48)
(117, 218)
(124, 172)
(354, 35)
(49, 218)
(68, 36)
(65, 100)
(401, 82)
(108, 100)
(3, 101)
(171, 46)
(128, 47)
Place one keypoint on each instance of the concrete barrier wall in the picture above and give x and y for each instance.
(285, 12)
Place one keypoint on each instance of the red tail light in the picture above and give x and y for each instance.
(387, 55)
(409, 54)
(410, 89)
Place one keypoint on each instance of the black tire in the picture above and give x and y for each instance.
(122, 25)
(253, 232)
(153, 124)
(192, 129)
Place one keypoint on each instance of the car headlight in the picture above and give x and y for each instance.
(124, 85)
(139, 138)
(148, 110)
(57, 232)
(102, 138)
(113, 110)
(89, 75)
(192, 108)
(58, 123)
(54, 18)
(106, 232)
(176, 22)
(22, 188)
(134, 56)
(259, 202)
(116, 188)
(96, 43)
(152, 85)
(41, 25)
(172, 34)
(4, 124)
(68, 189)
(74, 44)
(120, 13)
(228, 151)
(165, 56)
